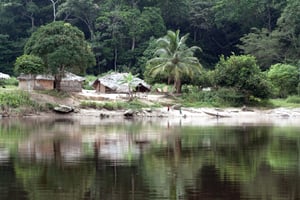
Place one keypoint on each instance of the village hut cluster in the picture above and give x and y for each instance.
(69, 83)
(110, 83)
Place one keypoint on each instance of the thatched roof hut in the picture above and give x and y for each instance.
(112, 83)
(69, 83)
(4, 76)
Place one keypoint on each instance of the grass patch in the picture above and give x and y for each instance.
(15, 99)
(54, 93)
(18, 103)
(117, 105)
(290, 102)
(11, 83)
(224, 97)
(293, 100)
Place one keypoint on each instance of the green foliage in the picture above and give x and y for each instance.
(284, 102)
(87, 85)
(289, 31)
(29, 64)
(174, 59)
(162, 87)
(15, 99)
(284, 78)
(11, 82)
(62, 47)
(128, 79)
(118, 105)
(262, 44)
(293, 99)
(242, 74)
(119, 31)
(193, 96)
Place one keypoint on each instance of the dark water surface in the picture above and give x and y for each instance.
(132, 160)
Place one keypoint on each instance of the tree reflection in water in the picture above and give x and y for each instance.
(135, 160)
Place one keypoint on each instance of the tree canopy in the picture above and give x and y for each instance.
(62, 47)
(121, 33)
(174, 59)
(243, 74)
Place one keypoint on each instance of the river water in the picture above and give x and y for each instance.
(120, 159)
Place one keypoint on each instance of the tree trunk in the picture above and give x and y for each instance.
(57, 81)
(133, 43)
(177, 86)
(54, 9)
(115, 59)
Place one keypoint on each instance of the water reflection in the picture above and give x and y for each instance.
(68, 159)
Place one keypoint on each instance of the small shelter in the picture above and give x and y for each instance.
(4, 76)
(69, 83)
(112, 83)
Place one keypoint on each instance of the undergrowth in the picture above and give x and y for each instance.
(116, 105)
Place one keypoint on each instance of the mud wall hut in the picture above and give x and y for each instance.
(69, 83)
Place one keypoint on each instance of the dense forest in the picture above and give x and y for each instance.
(122, 33)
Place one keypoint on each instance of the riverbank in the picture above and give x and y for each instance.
(187, 116)
(168, 111)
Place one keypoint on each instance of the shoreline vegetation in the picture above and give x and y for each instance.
(89, 104)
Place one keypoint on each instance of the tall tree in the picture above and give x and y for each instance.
(85, 11)
(264, 45)
(289, 31)
(62, 47)
(175, 13)
(174, 58)
(201, 16)
(110, 34)
(54, 6)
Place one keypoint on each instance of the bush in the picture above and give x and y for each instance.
(13, 81)
(161, 86)
(293, 99)
(87, 85)
(118, 105)
(29, 64)
(243, 75)
(221, 97)
(15, 99)
(284, 79)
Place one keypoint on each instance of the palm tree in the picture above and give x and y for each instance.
(174, 58)
(129, 79)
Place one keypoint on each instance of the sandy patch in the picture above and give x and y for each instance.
(167, 115)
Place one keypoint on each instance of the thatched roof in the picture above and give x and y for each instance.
(4, 76)
(72, 77)
(68, 77)
(114, 82)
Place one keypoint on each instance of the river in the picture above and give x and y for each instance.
(118, 159)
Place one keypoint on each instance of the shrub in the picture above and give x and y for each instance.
(29, 64)
(293, 99)
(220, 97)
(15, 99)
(118, 105)
(13, 81)
(87, 85)
(284, 79)
(243, 75)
